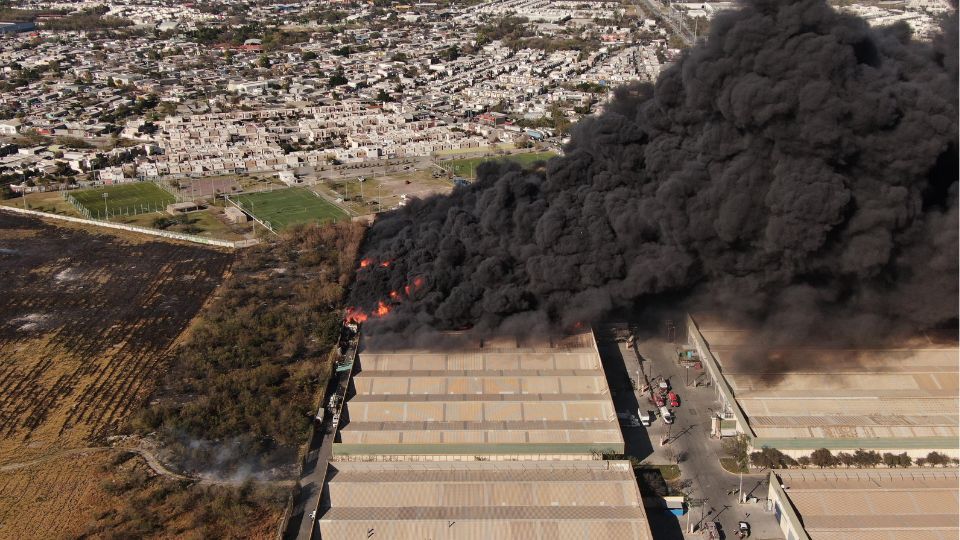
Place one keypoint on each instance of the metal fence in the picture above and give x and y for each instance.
(133, 228)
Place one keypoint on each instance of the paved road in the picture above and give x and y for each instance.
(690, 443)
(311, 485)
(669, 15)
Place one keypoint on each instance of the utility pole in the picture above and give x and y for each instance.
(106, 212)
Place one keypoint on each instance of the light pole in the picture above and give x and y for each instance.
(740, 491)
(106, 213)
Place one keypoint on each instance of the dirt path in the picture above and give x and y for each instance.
(152, 461)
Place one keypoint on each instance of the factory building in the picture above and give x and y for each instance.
(799, 400)
(866, 504)
(493, 440)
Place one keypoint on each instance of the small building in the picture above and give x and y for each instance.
(177, 209)
(289, 178)
(235, 215)
(10, 127)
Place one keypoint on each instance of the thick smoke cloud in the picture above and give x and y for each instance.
(798, 168)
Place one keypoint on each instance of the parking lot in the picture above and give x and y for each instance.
(688, 443)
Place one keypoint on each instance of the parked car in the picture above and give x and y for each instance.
(674, 399)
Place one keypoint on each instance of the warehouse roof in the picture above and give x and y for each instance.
(887, 504)
(503, 499)
(498, 397)
(897, 397)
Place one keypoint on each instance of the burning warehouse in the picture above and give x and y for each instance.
(494, 440)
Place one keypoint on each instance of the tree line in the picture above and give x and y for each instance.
(771, 458)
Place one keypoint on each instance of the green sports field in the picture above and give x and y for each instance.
(468, 167)
(123, 199)
(285, 207)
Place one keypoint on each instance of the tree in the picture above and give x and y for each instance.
(921, 462)
(937, 459)
(863, 458)
(845, 458)
(736, 447)
(890, 460)
(308, 56)
(771, 458)
(264, 61)
(904, 460)
(823, 458)
(804, 461)
(452, 53)
(383, 96)
(338, 79)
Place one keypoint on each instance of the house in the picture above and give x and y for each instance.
(10, 127)
(288, 178)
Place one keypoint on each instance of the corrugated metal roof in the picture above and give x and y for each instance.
(875, 503)
(539, 414)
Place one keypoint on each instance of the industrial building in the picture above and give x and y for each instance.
(866, 504)
(493, 440)
(799, 400)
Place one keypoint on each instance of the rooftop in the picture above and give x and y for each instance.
(498, 397)
(888, 504)
(892, 397)
(520, 499)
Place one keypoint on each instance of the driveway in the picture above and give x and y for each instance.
(688, 442)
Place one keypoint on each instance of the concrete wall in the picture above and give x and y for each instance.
(133, 228)
(787, 517)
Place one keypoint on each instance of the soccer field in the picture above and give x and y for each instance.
(123, 199)
(285, 207)
(468, 167)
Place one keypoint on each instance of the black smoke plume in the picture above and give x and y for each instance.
(798, 168)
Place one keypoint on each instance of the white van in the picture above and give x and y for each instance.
(666, 415)
(646, 417)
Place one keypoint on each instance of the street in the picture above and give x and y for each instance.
(689, 443)
(311, 485)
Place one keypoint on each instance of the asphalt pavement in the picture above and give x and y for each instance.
(689, 444)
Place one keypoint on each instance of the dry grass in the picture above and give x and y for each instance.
(86, 322)
(84, 326)
(106, 494)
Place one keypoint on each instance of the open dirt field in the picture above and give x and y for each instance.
(85, 322)
(386, 189)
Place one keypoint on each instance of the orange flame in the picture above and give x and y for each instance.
(386, 264)
(365, 263)
(356, 315)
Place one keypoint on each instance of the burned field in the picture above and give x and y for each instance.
(85, 323)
